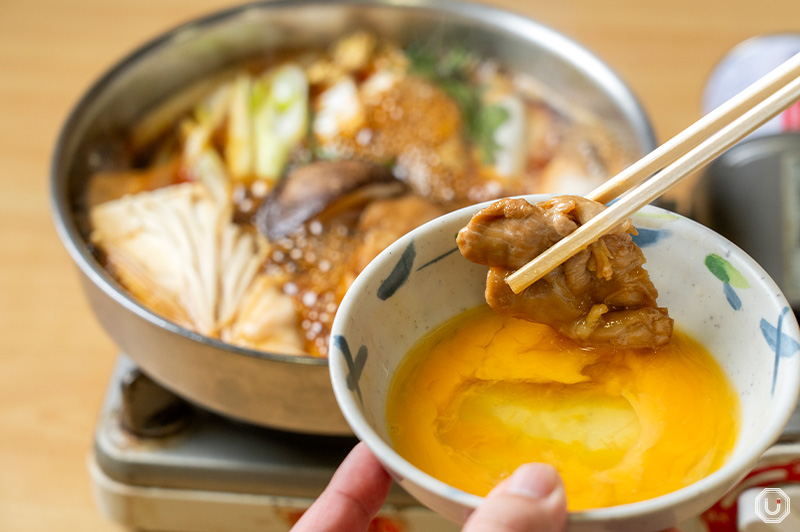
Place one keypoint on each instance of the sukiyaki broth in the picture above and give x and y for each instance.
(248, 218)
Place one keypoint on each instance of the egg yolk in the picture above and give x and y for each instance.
(485, 393)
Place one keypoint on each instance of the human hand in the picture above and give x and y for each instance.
(353, 497)
(530, 500)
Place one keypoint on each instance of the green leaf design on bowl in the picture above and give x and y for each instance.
(730, 277)
(725, 272)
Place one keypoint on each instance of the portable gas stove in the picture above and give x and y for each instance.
(160, 463)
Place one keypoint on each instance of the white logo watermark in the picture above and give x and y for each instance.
(768, 499)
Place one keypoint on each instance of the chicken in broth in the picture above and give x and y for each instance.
(247, 216)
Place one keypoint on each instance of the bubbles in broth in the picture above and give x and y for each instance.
(485, 393)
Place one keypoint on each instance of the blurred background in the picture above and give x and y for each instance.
(55, 361)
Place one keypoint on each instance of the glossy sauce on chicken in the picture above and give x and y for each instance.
(243, 211)
(601, 295)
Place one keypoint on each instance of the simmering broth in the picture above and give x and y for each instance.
(485, 393)
(244, 207)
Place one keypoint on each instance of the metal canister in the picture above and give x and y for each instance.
(753, 198)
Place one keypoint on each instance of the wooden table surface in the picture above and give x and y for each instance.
(55, 360)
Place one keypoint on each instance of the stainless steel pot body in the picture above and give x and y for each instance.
(283, 392)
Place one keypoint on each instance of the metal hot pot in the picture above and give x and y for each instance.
(291, 393)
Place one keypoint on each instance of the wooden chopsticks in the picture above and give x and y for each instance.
(676, 159)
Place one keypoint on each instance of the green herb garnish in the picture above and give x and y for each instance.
(451, 72)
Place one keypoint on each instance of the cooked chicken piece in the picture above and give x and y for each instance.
(409, 123)
(583, 160)
(602, 295)
(383, 222)
(419, 125)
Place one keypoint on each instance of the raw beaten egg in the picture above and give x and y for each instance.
(485, 393)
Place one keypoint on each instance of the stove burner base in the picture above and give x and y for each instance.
(184, 510)
(212, 474)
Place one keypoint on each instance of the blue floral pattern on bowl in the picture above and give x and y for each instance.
(783, 345)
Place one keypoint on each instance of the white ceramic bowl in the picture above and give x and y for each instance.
(715, 292)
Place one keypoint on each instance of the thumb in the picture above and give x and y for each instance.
(530, 500)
